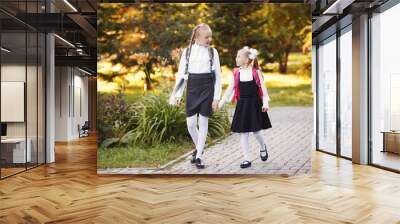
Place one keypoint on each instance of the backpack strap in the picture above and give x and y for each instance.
(258, 81)
(187, 61)
(236, 80)
(211, 53)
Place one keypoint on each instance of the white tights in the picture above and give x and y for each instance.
(199, 136)
(244, 142)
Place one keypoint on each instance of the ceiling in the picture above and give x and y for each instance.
(339, 13)
(73, 21)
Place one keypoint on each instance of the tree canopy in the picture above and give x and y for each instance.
(146, 36)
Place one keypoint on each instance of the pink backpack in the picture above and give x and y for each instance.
(236, 79)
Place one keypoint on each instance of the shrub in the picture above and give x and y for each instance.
(148, 120)
(114, 117)
(158, 121)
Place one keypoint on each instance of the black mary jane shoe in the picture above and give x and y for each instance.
(193, 160)
(245, 164)
(264, 157)
(199, 164)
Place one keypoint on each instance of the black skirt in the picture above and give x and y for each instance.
(248, 115)
(200, 94)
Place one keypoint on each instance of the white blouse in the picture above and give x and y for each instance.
(246, 74)
(199, 62)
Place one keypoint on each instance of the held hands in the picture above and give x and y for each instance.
(220, 105)
(215, 106)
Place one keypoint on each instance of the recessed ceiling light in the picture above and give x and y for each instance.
(64, 40)
(86, 72)
(5, 49)
(70, 5)
(338, 6)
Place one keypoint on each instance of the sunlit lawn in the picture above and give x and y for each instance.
(141, 156)
(289, 90)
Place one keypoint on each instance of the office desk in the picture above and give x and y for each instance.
(15, 148)
(391, 141)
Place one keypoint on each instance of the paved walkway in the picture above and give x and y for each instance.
(289, 143)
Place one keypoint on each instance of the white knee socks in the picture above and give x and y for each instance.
(198, 136)
(191, 123)
(259, 138)
(244, 142)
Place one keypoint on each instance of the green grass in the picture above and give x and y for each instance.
(291, 96)
(141, 155)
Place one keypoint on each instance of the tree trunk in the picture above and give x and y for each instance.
(148, 82)
(284, 60)
(147, 72)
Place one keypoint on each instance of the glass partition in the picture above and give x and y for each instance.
(22, 78)
(346, 92)
(327, 95)
(14, 153)
(385, 89)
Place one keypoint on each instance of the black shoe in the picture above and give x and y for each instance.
(264, 157)
(245, 164)
(199, 164)
(193, 160)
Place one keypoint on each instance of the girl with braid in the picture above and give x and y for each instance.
(199, 69)
(248, 90)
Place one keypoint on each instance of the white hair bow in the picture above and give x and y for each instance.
(252, 52)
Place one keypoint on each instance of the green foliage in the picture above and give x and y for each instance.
(114, 118)
(159, 122)
(150, 120)
(306, 66)
(219, 124)
(148, 36)
(143, 35)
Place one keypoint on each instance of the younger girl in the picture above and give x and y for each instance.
(200, 66)
(252, 98)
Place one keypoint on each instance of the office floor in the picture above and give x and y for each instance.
(387, 159)
(69, 191)
(9, 170)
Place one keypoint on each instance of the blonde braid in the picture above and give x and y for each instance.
(194, 32)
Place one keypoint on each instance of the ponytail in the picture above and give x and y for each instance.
(255, 64)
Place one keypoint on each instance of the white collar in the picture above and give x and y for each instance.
(248, 68)
(199, 45)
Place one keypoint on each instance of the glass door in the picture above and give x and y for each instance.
(385, 89)
(327, 95)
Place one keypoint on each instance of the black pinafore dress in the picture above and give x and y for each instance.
(248, 116)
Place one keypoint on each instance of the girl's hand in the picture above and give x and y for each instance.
(215, 105)
(265, 109)
(178, 102)
(220, 105)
